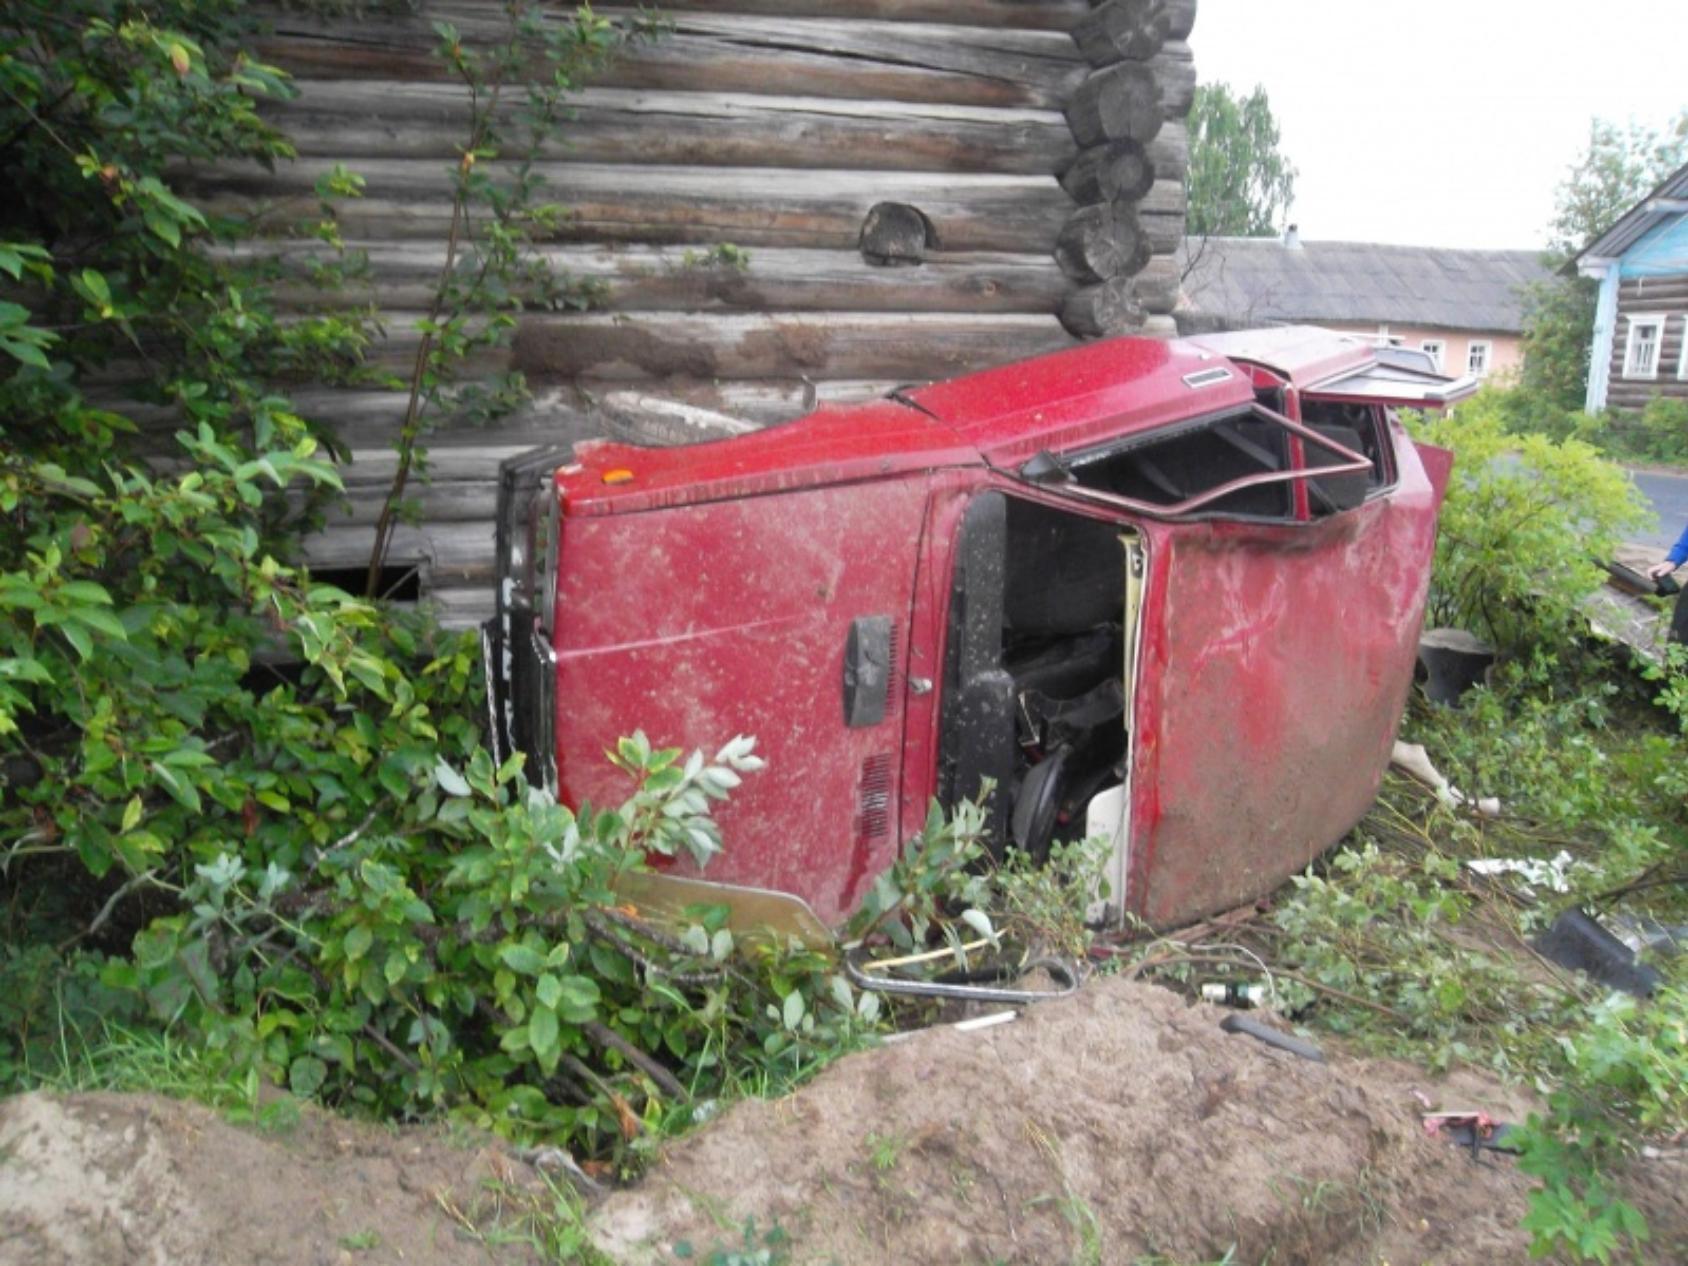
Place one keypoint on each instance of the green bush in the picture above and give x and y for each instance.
(262, 804)
(1525, 519)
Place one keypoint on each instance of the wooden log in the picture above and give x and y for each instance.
(842, 345)
(895, 234)
(354, 119)
(754, 207)
(728, 53)
(1108, 308)
(566, 412)
(1122, 101)
(462, 606)
(650, 420)
(1174, 68)
(1101, 242)
(448, 553)
(1169, 152)
(1115, 170)
(1049, 15)
(1176, 17)
(1119, 31)
(403, 275)
(1157, 284)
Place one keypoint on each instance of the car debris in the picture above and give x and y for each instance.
(1577, 940)
(1552, 873)
(1454, 661)
(1260, 1031)
(1169, 592)
(1474, 1130)
(866, 975)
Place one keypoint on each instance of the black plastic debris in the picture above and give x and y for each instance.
(1453, 662)
(1576, 940)
(1260, 1031)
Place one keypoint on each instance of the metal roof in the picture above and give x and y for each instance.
(1638, 221)
(1249, 281)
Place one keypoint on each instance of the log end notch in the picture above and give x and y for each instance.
(1126, 117)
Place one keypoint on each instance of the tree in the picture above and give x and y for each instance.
(1613, 173)
(1241, 185)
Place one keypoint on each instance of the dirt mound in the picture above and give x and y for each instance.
(1117, 1125)
(105, 1179)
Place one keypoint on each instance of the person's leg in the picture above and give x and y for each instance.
(1679, 619)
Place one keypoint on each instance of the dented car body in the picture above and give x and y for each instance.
(1168, 592)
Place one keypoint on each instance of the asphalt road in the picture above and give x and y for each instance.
(1669, 497)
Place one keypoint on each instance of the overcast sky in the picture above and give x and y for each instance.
(1443, 122)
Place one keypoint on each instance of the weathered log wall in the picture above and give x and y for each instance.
(1041, 143)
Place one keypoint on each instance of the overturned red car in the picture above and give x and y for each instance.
(1168, 592)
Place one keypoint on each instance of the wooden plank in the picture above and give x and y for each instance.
(1052, 15)
(674, 279)
(827, 345)
(463, 607)
(729, 52)
(565, 413)
(754, 206)
(449, 553)
(356, 119)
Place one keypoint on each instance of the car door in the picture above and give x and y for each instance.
(1286, 570)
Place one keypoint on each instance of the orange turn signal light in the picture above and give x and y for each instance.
(620, 475)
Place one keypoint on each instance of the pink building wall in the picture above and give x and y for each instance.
(1506, 351)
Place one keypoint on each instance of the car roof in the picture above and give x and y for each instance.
(1064, 401)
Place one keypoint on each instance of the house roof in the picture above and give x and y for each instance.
(1246, 281)
(1639, 220)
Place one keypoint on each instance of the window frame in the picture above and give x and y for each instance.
(1681, 351)
(1438, 349)
(1058, 477)
(1488, 346)
(1637, 320)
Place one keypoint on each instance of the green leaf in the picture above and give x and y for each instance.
(522, 958)
(451, 782)
(180, 789)
(163, 226)
(578, 1003)
(305, 1075)
(357, 942)
(78, 637)
(132, 813)
(548, 991)
(792, 1010)
(542, 1031)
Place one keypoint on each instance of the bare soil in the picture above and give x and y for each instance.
(1118, 1126)
(1115, 1127)
(136, 1179)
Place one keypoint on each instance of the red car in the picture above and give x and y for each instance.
(1165, 591)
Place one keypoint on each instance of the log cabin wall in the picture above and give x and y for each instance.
(1662, 298)
(1040, 142)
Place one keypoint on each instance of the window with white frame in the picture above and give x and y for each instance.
(1682, 356)
(1438, 349)
(1641, 350)
(1477, 355)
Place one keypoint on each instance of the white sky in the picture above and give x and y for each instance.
(1443, 122)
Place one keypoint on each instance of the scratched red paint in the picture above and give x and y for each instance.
(713, 593)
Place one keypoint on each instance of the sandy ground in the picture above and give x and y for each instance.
(103, 1179)
(1120, 1126)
